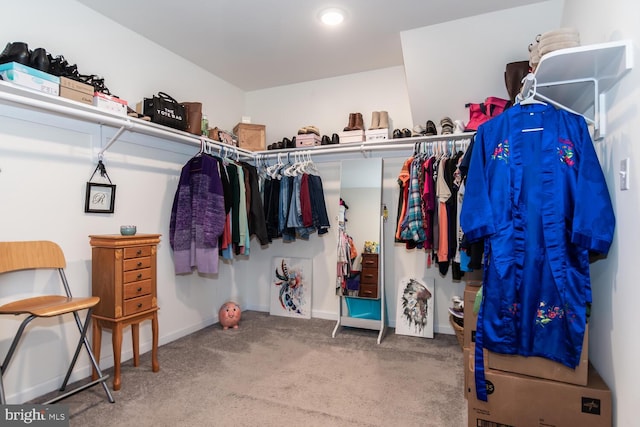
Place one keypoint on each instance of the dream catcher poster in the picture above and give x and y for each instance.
(414, 310)
(291, 287)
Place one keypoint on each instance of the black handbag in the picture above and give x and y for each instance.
(164, 110)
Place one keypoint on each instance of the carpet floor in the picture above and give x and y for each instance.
(280, 371)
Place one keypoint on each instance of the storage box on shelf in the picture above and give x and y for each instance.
(307, 140)
(75, 90)
(351, 136)
(110, 103)
(31, 78)
(251, 136)
(377, 134)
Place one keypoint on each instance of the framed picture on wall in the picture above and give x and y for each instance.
(290, 293)
(100, 198)
(414, 309)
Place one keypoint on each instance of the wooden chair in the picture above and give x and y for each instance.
(28, 255)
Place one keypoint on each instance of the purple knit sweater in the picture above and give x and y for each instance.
(197, 217)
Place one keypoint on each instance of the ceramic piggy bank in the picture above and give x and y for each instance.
(229, 315)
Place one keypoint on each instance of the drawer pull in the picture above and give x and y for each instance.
(139, 276)
(139, 289)
(139, 305)
(139, 252)
(140, 264)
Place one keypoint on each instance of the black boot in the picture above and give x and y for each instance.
(15, 52)
(39, 60)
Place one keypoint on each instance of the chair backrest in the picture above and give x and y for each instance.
(29, 255)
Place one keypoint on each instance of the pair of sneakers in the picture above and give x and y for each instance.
(428, 130)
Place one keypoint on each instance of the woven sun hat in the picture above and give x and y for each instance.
(562, 38)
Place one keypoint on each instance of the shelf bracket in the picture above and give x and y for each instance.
(127, 126)
(599, 112)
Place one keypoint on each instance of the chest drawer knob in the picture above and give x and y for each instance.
(139, 252)
(139, 289)
(139, 276)
(139, 264)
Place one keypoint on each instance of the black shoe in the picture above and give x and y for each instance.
(39, 60)
(286, 143)
(325, 140)
(335, 139)
(430, 128)
(397, 134)
(15, 52)
(406, 133)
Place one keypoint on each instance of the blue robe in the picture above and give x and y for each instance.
(540, 200)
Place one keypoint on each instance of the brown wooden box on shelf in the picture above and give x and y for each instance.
(369, 276)
(251, 137)
(123, 273)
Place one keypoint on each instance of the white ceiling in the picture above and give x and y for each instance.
(257, 44)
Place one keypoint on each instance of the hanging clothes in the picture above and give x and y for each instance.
(536, 193)
(197, 216)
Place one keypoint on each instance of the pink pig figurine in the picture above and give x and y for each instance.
(229, 315)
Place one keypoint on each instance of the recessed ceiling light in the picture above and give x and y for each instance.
(332, 16)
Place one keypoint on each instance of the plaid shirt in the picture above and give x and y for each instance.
(412, 225)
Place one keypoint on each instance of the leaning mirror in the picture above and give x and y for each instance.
(359, 228)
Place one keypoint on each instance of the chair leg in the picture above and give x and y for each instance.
(83, 341)
(12, 349)
(3, 400)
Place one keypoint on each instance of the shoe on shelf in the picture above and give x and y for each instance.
(447, 126)
(16, 52)
(352, 121)
(335, 138)
(39, 60)
(418, 130)
(325, 140)
(430, 128)
(384, 120)
(375, 120)
(397, 134)
(406, 133)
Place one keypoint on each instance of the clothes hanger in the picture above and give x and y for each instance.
(529, 88)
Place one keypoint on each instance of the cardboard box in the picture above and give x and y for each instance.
(110, 103)
(351, 136)
(76, 85)
(251, 137)
(75, 95)
(75, 90)
(470, 319)
(543, 368)
(30, 78)
(522, 401)
(532, 366)
(377, 135)
(307, 140)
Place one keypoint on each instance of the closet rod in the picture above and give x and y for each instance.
(390, 144)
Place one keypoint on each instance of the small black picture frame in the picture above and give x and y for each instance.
(100, 198)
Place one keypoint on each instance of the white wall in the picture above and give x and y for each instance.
(327, 103)
(451, 64)
(613, 349)
(45, 162)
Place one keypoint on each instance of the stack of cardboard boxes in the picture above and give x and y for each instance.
(531, 391)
